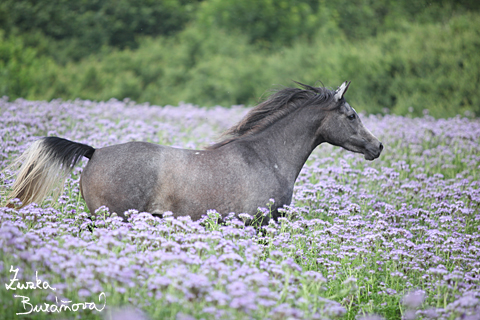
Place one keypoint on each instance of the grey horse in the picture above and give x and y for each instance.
(259, 159)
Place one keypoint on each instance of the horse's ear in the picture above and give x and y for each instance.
(341, 90)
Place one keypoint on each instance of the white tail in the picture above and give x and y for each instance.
(44, 168)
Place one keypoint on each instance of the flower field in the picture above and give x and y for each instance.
(395, 238)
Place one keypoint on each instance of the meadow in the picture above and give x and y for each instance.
(395, 238)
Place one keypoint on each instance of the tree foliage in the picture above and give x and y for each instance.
(402, 56)
(263, 22)
(79, 28)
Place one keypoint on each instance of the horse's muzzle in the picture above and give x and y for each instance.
(373, 152)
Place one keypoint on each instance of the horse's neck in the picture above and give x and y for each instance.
(287, 144)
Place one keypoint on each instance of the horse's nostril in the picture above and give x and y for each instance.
(381, 146)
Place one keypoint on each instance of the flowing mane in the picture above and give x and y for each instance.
(277, 106)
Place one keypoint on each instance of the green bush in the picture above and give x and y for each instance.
(23, 72)
(263, 22)
(430, 66)
(76, 29)
(273, 23)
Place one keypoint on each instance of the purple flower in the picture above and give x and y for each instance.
(414, 299)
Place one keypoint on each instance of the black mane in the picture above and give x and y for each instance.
(277, 106)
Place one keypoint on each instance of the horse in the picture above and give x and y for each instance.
(258, 160)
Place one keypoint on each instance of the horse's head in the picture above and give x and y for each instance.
(343, 127)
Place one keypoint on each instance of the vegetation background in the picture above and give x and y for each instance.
(402, 56)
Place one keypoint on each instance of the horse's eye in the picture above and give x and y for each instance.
(351, 117)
